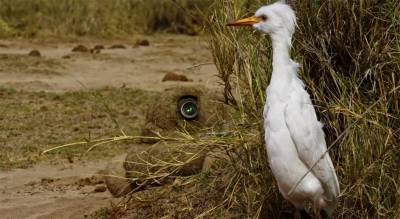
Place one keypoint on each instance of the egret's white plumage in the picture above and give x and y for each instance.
(294, 137)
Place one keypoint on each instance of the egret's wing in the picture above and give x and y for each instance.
(308, 136)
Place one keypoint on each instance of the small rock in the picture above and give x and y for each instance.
(47, 180)
(34, 53)
(66, 57)
(125, 113)
(44, 108)
(100, 188)
(80, 48)
(142, 43)
(117, 46)
(175, 77)
(3, 46)
(97, 49)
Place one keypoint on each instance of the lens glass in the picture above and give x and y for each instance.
(189, 109)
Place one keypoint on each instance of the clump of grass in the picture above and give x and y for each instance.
(98, 18)
(349, 52)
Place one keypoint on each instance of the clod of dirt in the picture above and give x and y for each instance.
(98, 47)
(125, 113)
(142, 43)
(163, 117)
(44, 108)
(80, 48)
(151, 166)
(66, 57)
(90, 181)
(116, 180)
(34, 53)
(175, 77)
(118, 46)
(3, 46)
(100, 188)
(46, 180)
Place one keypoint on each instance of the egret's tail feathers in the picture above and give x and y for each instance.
(332, 191)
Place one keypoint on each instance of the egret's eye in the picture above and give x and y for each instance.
(263, 17)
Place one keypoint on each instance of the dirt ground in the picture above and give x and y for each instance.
(46, 191)
(66, 185)
(141, 67)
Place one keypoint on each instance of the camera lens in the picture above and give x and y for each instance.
(188, 108)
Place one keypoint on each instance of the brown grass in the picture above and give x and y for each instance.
(350, 57)
(99, 18)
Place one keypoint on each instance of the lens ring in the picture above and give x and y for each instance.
(188, 108)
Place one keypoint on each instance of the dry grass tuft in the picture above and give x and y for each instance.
(99, 18)
(350, 56)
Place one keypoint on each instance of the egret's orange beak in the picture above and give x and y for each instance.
(245, 22)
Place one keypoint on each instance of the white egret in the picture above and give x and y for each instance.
(294, 137)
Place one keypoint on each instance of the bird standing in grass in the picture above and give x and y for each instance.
(295, 141)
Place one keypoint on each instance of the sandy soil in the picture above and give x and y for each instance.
(136, 66)
(47, 191)
(68, 190)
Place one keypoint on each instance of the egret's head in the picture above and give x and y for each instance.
(277, 19)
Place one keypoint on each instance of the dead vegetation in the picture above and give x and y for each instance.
(99, 18)
(350, 57)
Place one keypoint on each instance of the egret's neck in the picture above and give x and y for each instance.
(281, 49)
(284, 69)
